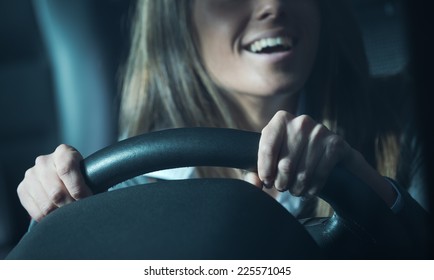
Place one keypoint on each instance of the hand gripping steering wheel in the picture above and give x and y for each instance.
(207, 218)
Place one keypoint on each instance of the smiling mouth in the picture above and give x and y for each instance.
(271, 45)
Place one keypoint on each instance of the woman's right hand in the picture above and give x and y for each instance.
(54, 181)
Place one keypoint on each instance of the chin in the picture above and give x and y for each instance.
(283, 84)
(270, 94)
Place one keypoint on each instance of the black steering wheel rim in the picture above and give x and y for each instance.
(172, 148)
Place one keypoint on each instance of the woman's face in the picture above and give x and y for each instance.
(259, 47)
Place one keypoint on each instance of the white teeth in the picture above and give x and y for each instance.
(259, 45)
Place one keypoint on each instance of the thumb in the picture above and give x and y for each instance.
(252, 178)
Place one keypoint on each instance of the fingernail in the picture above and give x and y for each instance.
(267, 184)
(280, 189)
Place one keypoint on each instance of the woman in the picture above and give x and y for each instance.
(254, 65)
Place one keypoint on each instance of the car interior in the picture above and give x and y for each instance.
(60, 67)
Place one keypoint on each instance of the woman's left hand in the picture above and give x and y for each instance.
(297, 154)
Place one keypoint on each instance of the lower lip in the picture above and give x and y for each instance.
(273, 58)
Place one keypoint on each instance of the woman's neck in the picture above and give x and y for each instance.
(257, 111)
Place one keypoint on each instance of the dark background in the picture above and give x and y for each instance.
(60, 63)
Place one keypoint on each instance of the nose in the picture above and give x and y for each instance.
(269, 9)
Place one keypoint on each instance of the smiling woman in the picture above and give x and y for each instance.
(294, 70)
(325, 74)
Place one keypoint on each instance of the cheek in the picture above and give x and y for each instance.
(218, 24)
(219, 53)
(215, 48)
(210, 40)
(218, 58)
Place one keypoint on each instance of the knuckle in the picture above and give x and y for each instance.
(29, 173)
(281, 115)
(47, 208)
(302, 125)
(41, 160)
(320, 130)
(335, 145)
(57, 196)
(64, 169)
(64, 152)
(66, 166)
(279, 119)
(21, 190)
(62, 148)
(304, 121)
(77, 192)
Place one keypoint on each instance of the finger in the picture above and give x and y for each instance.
(285, 170)
(67, 164)
(297, 133)
(270, 144)
(308, 164)
(253, 178)
(51, 183)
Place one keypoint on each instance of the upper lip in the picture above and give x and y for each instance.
(268, 34)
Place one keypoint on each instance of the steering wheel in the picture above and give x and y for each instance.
(207, 218)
